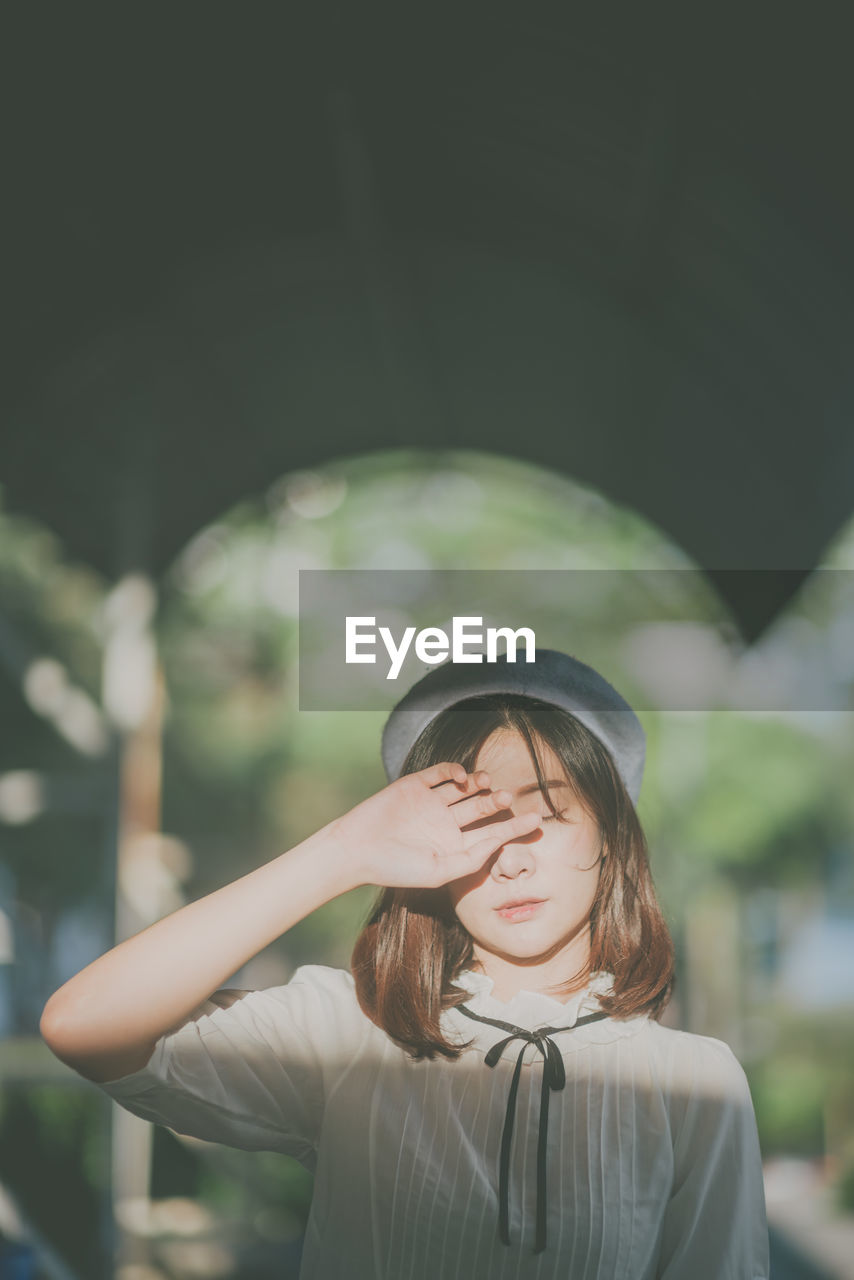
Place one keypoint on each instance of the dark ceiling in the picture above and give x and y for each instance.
(615, 240)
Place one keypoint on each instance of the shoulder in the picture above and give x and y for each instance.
(313, 991)
(314, 1017)
(337, 983)
(688, 1049)
(696, 1065)
(317, 1001)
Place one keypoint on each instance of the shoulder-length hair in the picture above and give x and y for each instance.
(413, 947)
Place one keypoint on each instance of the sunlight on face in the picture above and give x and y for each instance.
(558, 865)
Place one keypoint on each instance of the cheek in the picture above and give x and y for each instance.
(467, 886)
(467, 903)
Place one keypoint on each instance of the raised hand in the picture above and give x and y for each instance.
(415, 832)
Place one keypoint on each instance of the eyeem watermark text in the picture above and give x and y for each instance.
(432, 644)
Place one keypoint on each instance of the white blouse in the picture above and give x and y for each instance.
(651, 1156)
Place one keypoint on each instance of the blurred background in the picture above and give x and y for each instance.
(382, 291)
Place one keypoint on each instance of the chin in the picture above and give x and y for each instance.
(518, 950)
(532, 953)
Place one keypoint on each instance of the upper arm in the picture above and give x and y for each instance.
(714, 1224)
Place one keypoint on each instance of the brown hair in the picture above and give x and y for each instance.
(413, 947)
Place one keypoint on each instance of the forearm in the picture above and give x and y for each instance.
(152, 982)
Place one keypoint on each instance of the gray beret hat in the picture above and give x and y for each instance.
(553, 677)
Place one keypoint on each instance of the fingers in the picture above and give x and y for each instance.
(450, 771)
(446, 771)
(479, 806)
(454, 866)
(480, 802)
(480, 843)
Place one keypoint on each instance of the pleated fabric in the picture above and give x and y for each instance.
(652, 1155)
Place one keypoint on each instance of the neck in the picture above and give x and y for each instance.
(556, 975)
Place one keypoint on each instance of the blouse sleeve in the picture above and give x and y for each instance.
(714, 1223)
(252, 1071)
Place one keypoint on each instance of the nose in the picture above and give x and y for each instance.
(512, 859)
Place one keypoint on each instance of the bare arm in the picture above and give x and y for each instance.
(106, 1020)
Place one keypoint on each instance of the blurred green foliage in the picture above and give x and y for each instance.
(788, 1095)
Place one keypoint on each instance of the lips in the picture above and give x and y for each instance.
(518, 902)
(521, 909)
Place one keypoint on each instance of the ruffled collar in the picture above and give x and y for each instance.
(530, 1009)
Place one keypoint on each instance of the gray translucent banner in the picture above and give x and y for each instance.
(661, 636)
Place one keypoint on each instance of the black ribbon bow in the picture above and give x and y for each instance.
(554, 1077)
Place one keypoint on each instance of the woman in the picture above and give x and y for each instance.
(488, 1091)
